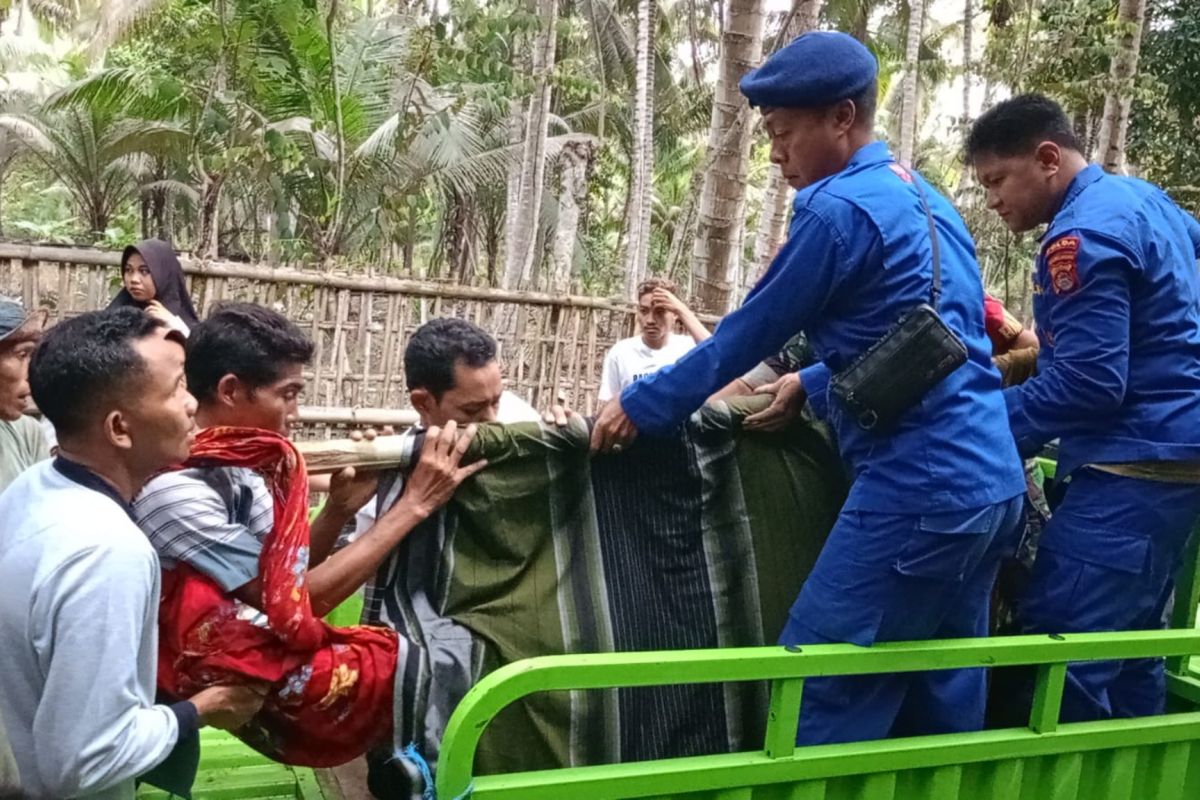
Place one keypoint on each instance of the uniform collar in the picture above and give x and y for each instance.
(865, 156)
(74, 471)
(1086, 177)
(873, 153)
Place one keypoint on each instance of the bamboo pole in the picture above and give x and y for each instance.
(323, 456)
(377, 417)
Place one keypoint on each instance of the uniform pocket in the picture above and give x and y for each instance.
(1116, 550)
(946, 546)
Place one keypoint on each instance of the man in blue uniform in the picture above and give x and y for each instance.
(935, 500)
(1117, 306)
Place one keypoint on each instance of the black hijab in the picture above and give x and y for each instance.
(170, 288)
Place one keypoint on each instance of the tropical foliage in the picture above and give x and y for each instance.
(555, 145)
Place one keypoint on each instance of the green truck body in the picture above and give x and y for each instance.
(1153, 758)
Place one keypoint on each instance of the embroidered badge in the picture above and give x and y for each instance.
(901, 173)
(1062, 261)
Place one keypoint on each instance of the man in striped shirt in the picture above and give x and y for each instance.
(244, 365)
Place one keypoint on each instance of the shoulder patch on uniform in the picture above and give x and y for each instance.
(901, 173)
(1062, 261)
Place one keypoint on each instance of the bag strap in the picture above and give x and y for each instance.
(936, 293)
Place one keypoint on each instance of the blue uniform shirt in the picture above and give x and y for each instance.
(1117, 306)
(857, 257)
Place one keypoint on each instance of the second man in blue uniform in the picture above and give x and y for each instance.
(1116, 301)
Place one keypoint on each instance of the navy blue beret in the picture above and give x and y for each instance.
(816, 69)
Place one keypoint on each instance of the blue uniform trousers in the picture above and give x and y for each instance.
(900, 577)
(1107, 562)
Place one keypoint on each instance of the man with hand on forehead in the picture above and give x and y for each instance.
(936, 498)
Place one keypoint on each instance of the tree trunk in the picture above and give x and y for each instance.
(460, 237)
(637, 239)
(523, 225)
(967, 43)
(573, 166)
(718, 251)
(679, 253)
(777, 195)
(908, 112)
(210, 206)
(966, 177)
(1115, 122)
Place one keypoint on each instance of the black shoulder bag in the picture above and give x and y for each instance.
(914, 356)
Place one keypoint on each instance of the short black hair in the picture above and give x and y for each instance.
(1018, 125)
(243, 339)
(440, 344)
(865, 103)
(81, 362)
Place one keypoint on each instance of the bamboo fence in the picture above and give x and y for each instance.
(552, 346)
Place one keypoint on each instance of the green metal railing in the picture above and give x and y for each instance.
(785, 770)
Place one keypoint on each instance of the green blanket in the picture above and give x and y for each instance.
(701, 540)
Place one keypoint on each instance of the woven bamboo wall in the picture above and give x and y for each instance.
(552, 346)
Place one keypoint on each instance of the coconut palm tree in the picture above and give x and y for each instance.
(718, 252)
(1114, 124)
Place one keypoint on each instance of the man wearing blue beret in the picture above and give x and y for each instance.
(935, 498)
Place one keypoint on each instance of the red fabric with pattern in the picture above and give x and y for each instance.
(331, 688)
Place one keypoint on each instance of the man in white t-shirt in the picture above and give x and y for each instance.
(658, 310)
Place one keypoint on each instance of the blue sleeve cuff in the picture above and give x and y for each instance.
(187, 716)
(815, 381)
(1029, 441)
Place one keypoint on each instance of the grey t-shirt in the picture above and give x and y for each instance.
(22, 444)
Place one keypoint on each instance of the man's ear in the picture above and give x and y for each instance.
(422, 400)
(230, 391)
(117, 430)
(845, 115)
(1049, 158)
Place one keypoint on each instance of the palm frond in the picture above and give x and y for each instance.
(28, 132)
(117, 17)
(107, 91)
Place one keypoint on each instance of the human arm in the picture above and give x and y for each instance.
(1085, 377)
(432, 482)
(95, 725)
(810, 267)
(1193, 228)
(349, 490)
(1025, 339)
(661, 298)
(160, 312)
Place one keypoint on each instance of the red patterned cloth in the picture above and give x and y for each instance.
(331, 688)
(1002, 327)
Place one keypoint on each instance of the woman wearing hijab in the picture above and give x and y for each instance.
(154, 282)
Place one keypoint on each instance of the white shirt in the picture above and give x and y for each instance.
(630, 359)
(512, 409)
(79, 591)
